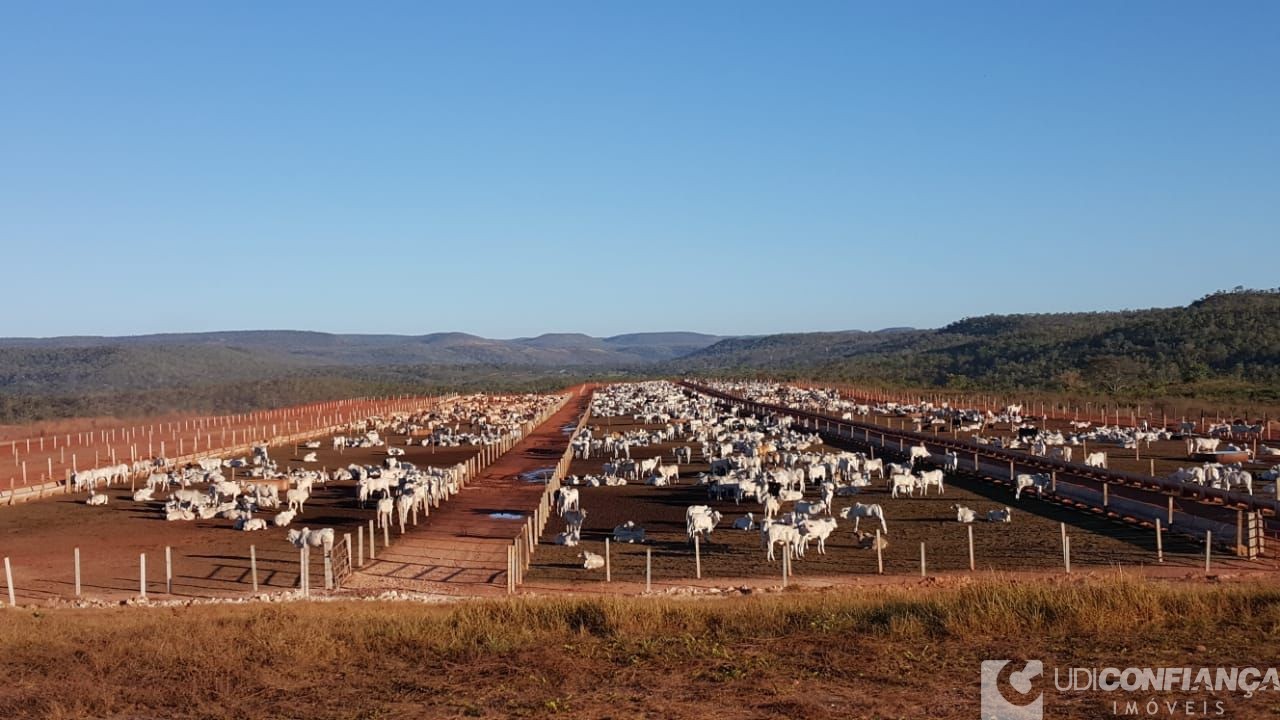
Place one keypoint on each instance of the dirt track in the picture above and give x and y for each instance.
(462, 548)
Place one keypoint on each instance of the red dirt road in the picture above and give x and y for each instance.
(462, 547)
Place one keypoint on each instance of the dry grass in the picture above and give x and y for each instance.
(907, 652)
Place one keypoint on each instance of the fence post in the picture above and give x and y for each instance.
(648, 569)
(1159, 543)
(168, 570)
(373, 553)
(253, 566)
(328, 571)
(360, 546)
(1062, 533)
(302, 570)
(608, 569)
(697, 556)
(77, 554)
(347, 537)
(8, 581)
(879, 555)
(1208, 549)
(971, 564)
(1068, 556)
(142, 576)
(922, 568)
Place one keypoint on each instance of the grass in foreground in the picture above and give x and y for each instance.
(903, 652)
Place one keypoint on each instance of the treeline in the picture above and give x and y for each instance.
(1224, 347)
(292, 389)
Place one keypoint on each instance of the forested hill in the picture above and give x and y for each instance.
(1225, 344)
(1223, 347)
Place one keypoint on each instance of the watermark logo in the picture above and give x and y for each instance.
(996, 706)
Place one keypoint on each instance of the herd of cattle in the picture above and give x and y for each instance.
(1031, 434)
(243, 489)
(789, 481)
(791, 478)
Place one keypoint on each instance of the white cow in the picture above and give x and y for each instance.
(249, 524)
(1202, 445)
(628, 532)
(1096, 459)
(816, 529)
(701, 520)
(772, 533)
(928, 479)
(385, 506)
(669, 473)
(857, 511)
(1040, 482)
(902, 482)
(296, 498)
(566, 499)
(964, 514)
(312, 538)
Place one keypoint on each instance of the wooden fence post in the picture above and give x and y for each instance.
(8, 581)
(697, 556)
(1062, 534)
(971, 565)
(608, 569)
(77, 557)
(922, 567)
(648, 569)
(168, 570)
(303, 570)
(1159, 543)
(142, 576)
(879, 556)
(253, 567)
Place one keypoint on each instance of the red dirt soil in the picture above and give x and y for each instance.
(463, 548)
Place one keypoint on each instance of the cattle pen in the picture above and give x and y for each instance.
(1239, 522)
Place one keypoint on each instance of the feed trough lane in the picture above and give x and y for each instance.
(462, 546)
(1146, 493)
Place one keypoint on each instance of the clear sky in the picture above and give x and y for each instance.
(509, 169)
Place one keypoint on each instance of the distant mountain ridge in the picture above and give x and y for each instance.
(1224, 345)
(88, 363)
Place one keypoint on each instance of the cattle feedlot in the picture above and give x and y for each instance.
(670, 491)
(640, 360)
(696, 488)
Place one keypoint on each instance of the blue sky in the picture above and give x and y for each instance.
(515, 168)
